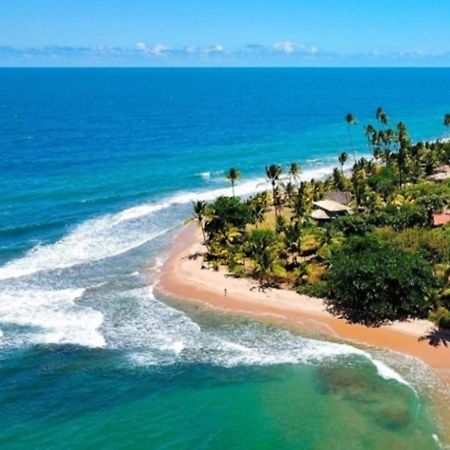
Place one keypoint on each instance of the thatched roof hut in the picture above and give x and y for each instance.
(342, 197)
(333, 208)
(319, 214)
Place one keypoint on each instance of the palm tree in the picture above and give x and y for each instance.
(233, 175)
(358, 183)
(447, 120)
(292, 235)
(382, 116)
(259, 211)
(199, 215)
(371, 134)
(338, 179)
(351, 120)
(294, 172)
(342, 160)
(273, 173)
(303, 201)
(260, 249)
(289, 190)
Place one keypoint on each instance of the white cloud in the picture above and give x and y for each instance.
(280, 53)
(284, 47)
(156, 50)
(191, 49)
(214, 49)
(289, 47)
(140, 46)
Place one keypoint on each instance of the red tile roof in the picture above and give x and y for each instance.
(441, 219)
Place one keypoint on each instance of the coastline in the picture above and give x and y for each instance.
(184, 279)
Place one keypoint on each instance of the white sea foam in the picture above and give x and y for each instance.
(54, 315)
(115, 234)
(205, 175)
(93, 240)
(160, 334)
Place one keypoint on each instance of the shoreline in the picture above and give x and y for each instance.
(183, 278)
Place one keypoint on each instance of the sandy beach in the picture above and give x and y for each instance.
(182, 277)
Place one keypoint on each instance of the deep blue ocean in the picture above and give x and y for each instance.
(98, 169)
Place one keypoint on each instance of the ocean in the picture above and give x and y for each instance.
(98, 169)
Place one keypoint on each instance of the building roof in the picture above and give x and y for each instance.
(331, 206)
(441, 219)
(342, 197)
(319, 214)
(441, 174)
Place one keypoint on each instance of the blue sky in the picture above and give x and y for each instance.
(224, 33)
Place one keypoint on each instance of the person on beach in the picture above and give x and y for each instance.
(225, 292)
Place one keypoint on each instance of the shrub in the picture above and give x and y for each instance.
(318, 289)
(373, 283)
(226, 211)
(401, 217)
(432, 244)
(385, 181)
(441, 317)
(355, 224)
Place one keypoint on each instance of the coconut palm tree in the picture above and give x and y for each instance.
(273, 173)
(342, 160)
(370, 133)
(358, 182)
(338, 179)
(292, 235)
(351, 120)
(233, 175)
(261, 251)
(199, 214)
(317, 188)
(289, 190)
(259, 211)
(447, 120)
(294, 172)
(302, 201)
(382, 116)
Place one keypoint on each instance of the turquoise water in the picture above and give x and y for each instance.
(98, 169)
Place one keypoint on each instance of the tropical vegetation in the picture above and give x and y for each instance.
(385, 261)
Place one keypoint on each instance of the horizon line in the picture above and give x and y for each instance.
(224, 67)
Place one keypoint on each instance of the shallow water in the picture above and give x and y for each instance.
(98, 171)
(232, 385)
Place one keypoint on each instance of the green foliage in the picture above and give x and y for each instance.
(232, 176)
(356, 224)
(226, 211)
(385, 181)
(199, 208)
(428, 194)
(433, 244)
(318, 289)
(292, 235)
(260, 249)
(441, 317)
(373, 283)
(401, 217)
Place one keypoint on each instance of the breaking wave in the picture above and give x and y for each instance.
(115, 234)
(159, 334)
